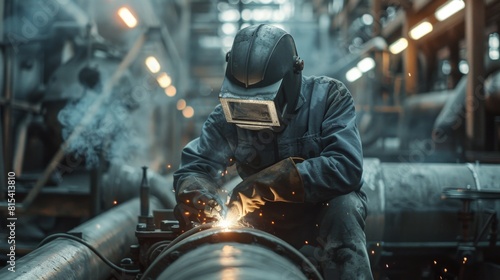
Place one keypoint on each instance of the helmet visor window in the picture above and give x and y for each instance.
(250, 112)
(252, 108)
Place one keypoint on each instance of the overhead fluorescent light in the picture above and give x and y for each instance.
(188, 112)
(170, 91)
(181, 104)
(247, 14)
(127, 17)
(494, 54)
(262, 14)
(230, 15)
(463, 67)
(494, 40)
(420, 30)
(229, 28)
(152, 64)
(366, 64)
(398, 46)
(164, 80)
(450, 8)
(353, 74)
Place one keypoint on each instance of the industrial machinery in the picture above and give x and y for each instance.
(211, 251)
(85, 103)
(432, 221)
(161, 249)
(214, 252)
(425, 221)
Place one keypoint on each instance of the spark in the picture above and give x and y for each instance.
(230, 220)
(226, 224)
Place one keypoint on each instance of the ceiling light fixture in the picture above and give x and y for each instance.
(366, 64)
(127, 17)
(353, 74)
(449, 9)
(152, 64)
(420, 30)
(398, 46)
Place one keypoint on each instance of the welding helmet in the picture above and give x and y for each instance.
(263, 77)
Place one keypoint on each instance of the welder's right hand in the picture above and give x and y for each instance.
(280, 182)
(197, 202)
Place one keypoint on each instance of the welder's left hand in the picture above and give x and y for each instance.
(198, 202)
(280, 182)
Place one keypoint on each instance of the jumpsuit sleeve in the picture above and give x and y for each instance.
(208, 155)
(338, 168)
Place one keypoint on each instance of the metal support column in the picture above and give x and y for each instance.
(474, 105)
(410, 55)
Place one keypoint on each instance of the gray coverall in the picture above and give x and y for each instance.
(322, 131)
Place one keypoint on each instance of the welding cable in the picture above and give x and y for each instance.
(103, 258)
(155, 247)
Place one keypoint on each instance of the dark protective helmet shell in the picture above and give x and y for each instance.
(263, 55)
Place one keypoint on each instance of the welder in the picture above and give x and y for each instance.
(295, 144)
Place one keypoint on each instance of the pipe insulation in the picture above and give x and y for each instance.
(405, 201)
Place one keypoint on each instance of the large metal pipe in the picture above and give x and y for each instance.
(452, 116)
(232, 261)
(230, 253)
(111, 234)
(405, 200)
(492, 91)
(419, 113)
(122, 183)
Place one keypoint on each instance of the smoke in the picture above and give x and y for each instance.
(112, 134)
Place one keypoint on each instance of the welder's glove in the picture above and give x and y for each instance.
(197, 201)
(280, 182)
